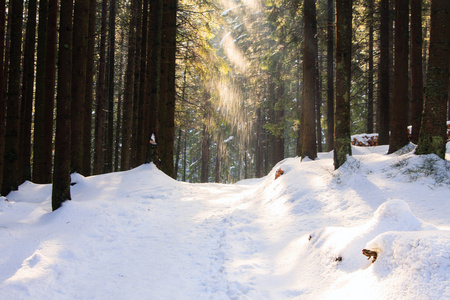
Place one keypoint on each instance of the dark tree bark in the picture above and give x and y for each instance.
(400, 100)
(143, 86)
(279, 118)
(433, 135)
(259, 157)
(138, 109)
(39, 166)
(79, 53)
(27, 94)
(2, 84)
(11, 155)
(205, 154)
(330, 76)
(218, 159)
(342, 143)
(416, 69)
(100, 105)
(89, 98)
(61, 172)
(308, 125)
(318, 102)
(128, 92)
(383, 76)
(370, 14)
(167, 99)
(154, 66)
(49, 95)
(110, 64)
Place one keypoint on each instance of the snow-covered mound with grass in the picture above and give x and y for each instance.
(141, 235)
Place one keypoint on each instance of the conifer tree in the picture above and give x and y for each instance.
(432, 136)
(342, 146)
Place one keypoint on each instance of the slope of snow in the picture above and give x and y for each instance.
(141, 235)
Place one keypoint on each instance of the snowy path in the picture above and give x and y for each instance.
(140, 235)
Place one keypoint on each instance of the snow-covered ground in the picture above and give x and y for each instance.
(141, 235)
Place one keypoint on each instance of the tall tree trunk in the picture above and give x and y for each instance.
(205, 154)
(110, 64)
(144, 86)
(416, 69)
(400, 100)
(128, 93)
(138, 109)
(61, 172)
(167, 100)
(39, 166)
(309, 146)
(10, 169)
(79, 52)
(279, 118)
(100, 105)
(2, 84)
(219, 159)
(27, 94)
(432, 136)
(318, 102)
(342, 143)
(118, 140)
(330, 76)
(259, 157)
(49, 95)
(154, 65)
(383, 76)
(89, 99)
(370, 14)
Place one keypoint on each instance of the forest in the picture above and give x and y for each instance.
(214, 91)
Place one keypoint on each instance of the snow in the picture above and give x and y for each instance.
(140, 235)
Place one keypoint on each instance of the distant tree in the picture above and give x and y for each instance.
(11, 155)
(342, 143)
(383, 76)
(61, 172)
(432, 136)
(416, 68)
(400, 100)
(308, 125)
(206, 138)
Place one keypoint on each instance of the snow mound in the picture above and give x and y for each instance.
(429, 169)
(409, 250)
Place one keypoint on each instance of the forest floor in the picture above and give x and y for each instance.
(140, 235)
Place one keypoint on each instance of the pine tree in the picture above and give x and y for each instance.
(400, 100)
(432, 136)
(342, 146)
(308, 125)
(416, 68)
(11, 155)
(61, 172)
